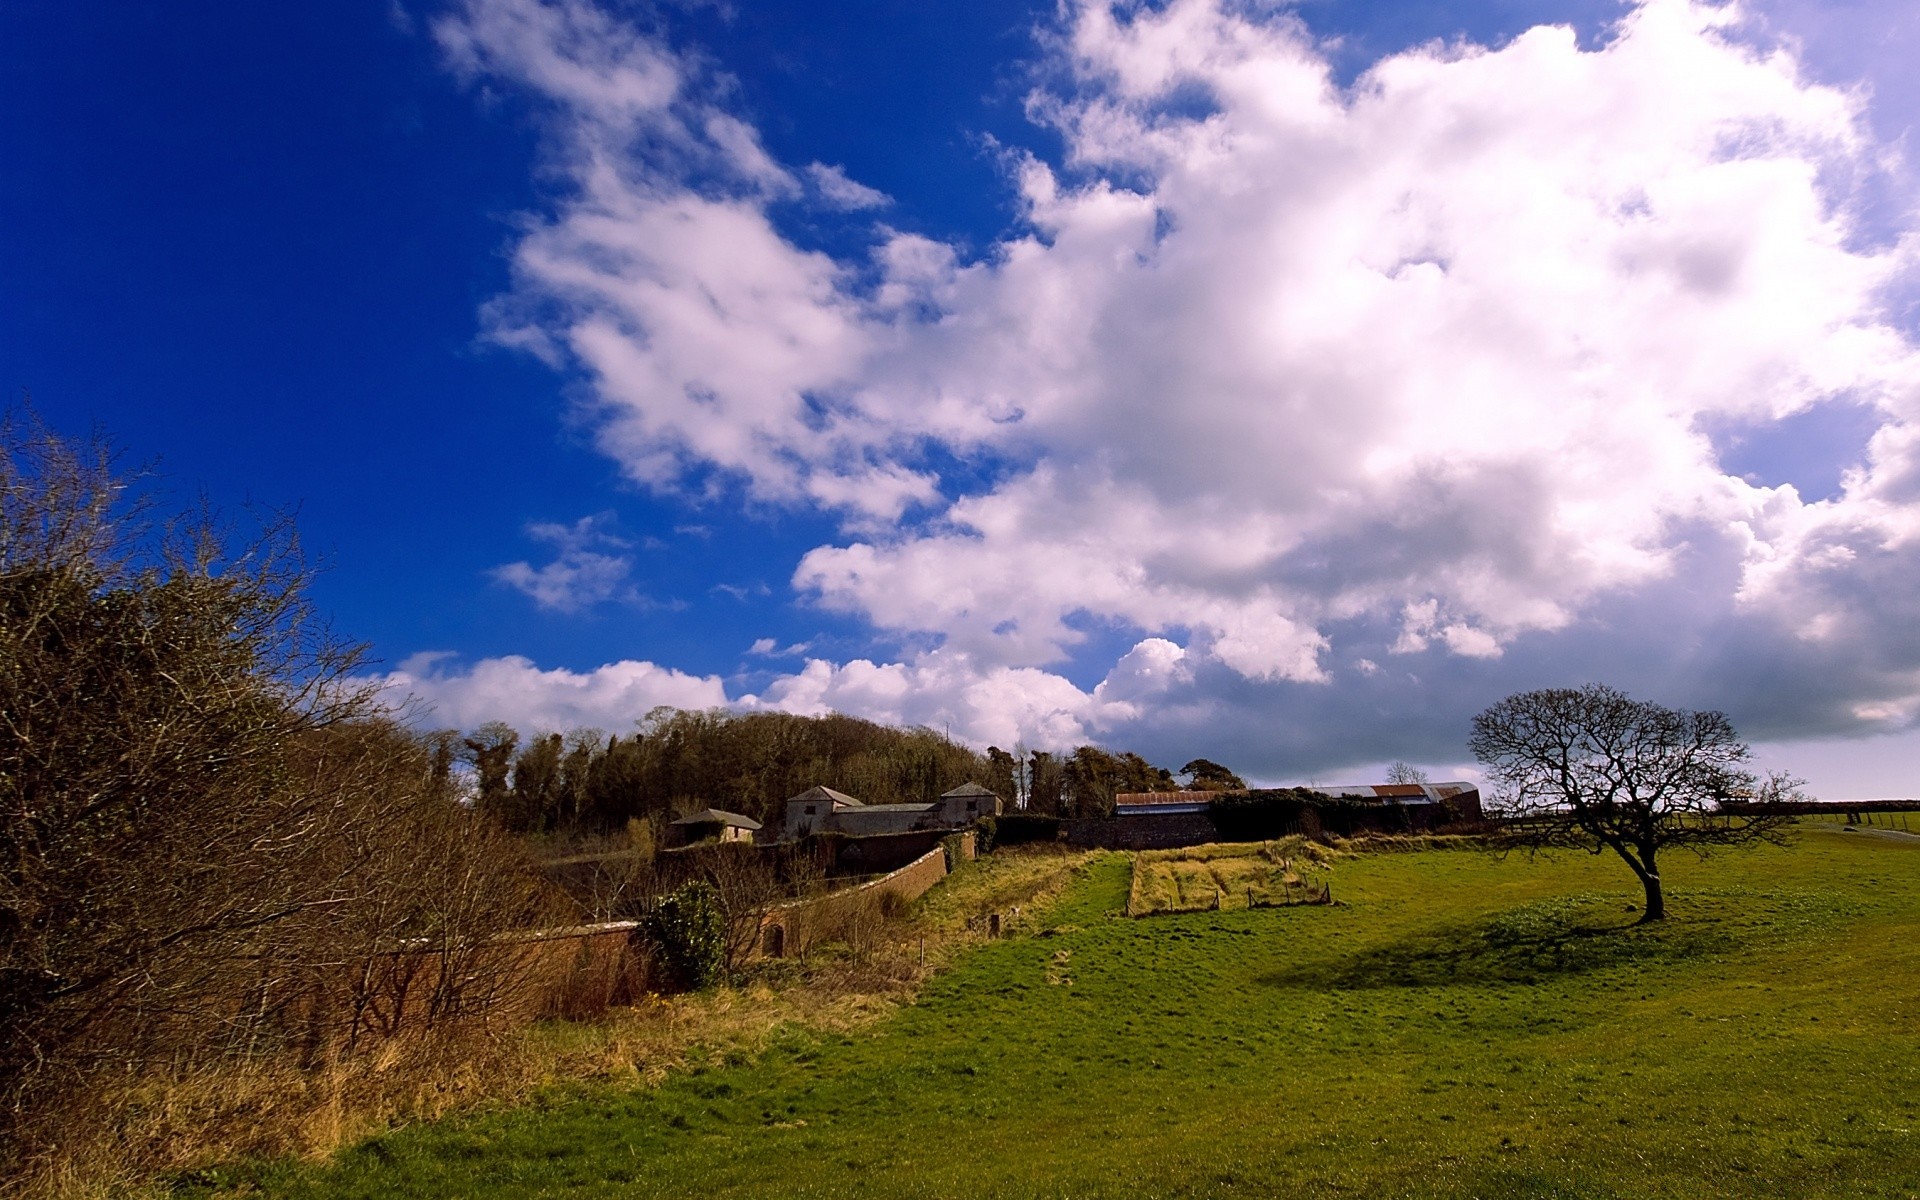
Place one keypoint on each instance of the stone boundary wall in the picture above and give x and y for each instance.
(571, 971)
(496, 982)
(1144, 831)
(799, 925)
(878, 853)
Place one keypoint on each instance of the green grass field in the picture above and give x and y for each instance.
(1458, 1025)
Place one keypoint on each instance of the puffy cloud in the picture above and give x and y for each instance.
(514, 690)
(714, 344)
(1424, 375)
(583, 572)
(838, 191)
(978, 703)
(767, 647)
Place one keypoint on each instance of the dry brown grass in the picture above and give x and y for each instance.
(1406, 843)
(1229, 875)
(1018, 884)
(128, 1133)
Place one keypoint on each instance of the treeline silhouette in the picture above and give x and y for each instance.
(677, 762)
(589, 782)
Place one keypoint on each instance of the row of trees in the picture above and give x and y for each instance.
(676, 762)
(590, 782)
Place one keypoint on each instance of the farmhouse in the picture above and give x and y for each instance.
(824, 810)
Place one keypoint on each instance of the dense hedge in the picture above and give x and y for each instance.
(1021, 829)
(1282, 812)
(690, 933)
(1261, 815)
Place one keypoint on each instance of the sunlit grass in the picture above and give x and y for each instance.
(1458, 1025)
(1213, 878)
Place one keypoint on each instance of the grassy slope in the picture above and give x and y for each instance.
(1438, 1034)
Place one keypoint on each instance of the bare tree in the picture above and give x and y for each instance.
(1402, 772)
(1594, 768)
(427, 888)
(490, 752)
(747, 881)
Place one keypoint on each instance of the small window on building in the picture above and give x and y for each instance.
(810, 810)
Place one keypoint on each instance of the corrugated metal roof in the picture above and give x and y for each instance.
(1124, 799)
(1395, 792)
(1401, 793)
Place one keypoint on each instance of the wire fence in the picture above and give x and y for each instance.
(1903, 820)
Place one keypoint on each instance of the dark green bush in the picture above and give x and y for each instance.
(987, 829)
(1020, 829)
(1260, 816)
(954, 847)
(690, 934)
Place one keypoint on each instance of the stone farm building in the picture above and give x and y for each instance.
(711, 824)
(824, 810)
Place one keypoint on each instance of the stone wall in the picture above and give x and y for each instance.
(1144, 831)
(799, 925)
(878, 854)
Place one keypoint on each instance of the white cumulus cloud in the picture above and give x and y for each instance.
(1421, 374)
(513, 689)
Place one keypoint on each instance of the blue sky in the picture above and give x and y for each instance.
(1273, 384)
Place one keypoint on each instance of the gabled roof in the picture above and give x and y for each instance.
(714, 816)
(817, 795)
(967, 791)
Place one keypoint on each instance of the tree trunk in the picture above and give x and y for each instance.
(1656, 898)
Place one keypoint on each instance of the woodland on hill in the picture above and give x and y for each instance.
(589, 782)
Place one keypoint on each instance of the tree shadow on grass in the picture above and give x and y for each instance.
(1565, 935)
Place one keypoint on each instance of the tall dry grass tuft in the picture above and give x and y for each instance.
(121, 1132)
(1407, 843)
(1289, 870)
(127, 1131)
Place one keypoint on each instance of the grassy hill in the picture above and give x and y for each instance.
(1458, 1025)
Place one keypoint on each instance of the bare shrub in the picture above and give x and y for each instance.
(152, 678)
(207, 831)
